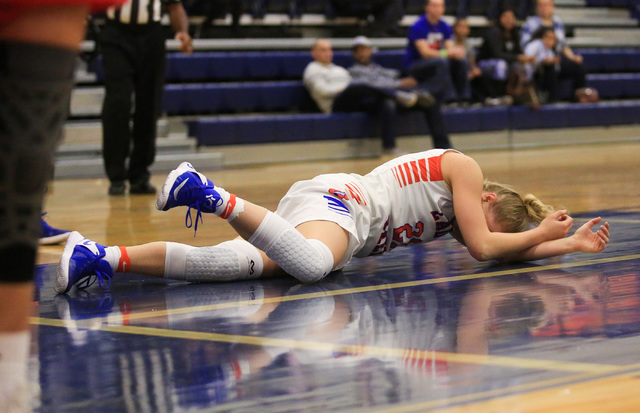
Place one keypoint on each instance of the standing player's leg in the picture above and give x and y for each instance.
(38, 48)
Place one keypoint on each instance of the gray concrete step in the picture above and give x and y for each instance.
(94, 149)
(601, 37)
(570, 3)
(87, 101)
(90, 131)
(93, 167)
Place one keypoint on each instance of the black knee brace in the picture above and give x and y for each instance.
(35, 87)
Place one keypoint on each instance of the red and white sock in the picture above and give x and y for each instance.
(118, 259)
(231, 206)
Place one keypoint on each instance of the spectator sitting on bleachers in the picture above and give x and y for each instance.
(366, 70)
(544, 17)
(571, 64)
(430, 46)
(331, 87)
(500, 53)
(461, 38)
(548, 67)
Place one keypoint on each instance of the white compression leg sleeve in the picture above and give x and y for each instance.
(308, 260)
(228, 261)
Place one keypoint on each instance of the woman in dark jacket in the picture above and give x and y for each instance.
(500, 53)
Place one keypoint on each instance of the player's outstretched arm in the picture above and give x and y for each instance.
(466, 180)
(585, 239)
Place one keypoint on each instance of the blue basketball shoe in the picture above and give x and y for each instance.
(185, 186)
(82, 263)
(50, 235)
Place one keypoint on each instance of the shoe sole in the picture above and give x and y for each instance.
(426, 101)
(54, 239)
(165, 193)
(62, 274)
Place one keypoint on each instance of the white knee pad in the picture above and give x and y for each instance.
(308, 260)
(228, 261)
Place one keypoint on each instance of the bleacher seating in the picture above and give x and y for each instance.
(611, 3)
(240, 97)
(251, 66)
(243, 97)
(236, 97)
(223, 130)
(256, 84)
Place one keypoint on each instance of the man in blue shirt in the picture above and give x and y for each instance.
(430, 47)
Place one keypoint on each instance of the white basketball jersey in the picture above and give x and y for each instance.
(409, 202)
(401, 202)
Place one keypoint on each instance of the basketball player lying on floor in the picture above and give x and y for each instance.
(322, 223)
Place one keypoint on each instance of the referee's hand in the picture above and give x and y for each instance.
(186, 43)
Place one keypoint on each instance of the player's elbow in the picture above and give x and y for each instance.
(481, 253)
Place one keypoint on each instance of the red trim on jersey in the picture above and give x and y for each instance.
(407, 169)
(364, 198)
(356, 193)
(422, 163)
(416, 172)
(10, 9)
(95, 4)
(396, 176)
(435, 171)
(229, 208)
(401, 173)
(125, 263)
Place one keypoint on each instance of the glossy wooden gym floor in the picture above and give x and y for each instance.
(425, 328)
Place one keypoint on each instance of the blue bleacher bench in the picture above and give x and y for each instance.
(229, 130)
(227, 66)
(243, 97)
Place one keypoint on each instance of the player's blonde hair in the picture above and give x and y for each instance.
(514, 211)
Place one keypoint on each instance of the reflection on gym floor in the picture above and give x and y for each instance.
(421, 328)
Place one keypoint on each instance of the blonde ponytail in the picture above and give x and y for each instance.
(536, 210)
(515, 212)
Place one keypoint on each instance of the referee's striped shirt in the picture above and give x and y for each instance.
(139, 11)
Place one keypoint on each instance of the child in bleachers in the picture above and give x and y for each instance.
(461, 38)
(548, 67)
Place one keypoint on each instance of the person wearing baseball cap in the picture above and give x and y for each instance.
(367, 71)
(333, 89)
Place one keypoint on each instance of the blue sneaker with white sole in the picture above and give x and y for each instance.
(50, 235)
(185, 186)
(82, 263)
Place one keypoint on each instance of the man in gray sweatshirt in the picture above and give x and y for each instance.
(333, 89)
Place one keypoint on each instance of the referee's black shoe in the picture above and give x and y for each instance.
(117, 188)
(142, 188)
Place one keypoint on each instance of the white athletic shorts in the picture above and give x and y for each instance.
(338, 198)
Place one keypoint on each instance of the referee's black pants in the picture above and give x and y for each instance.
(134, 65)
